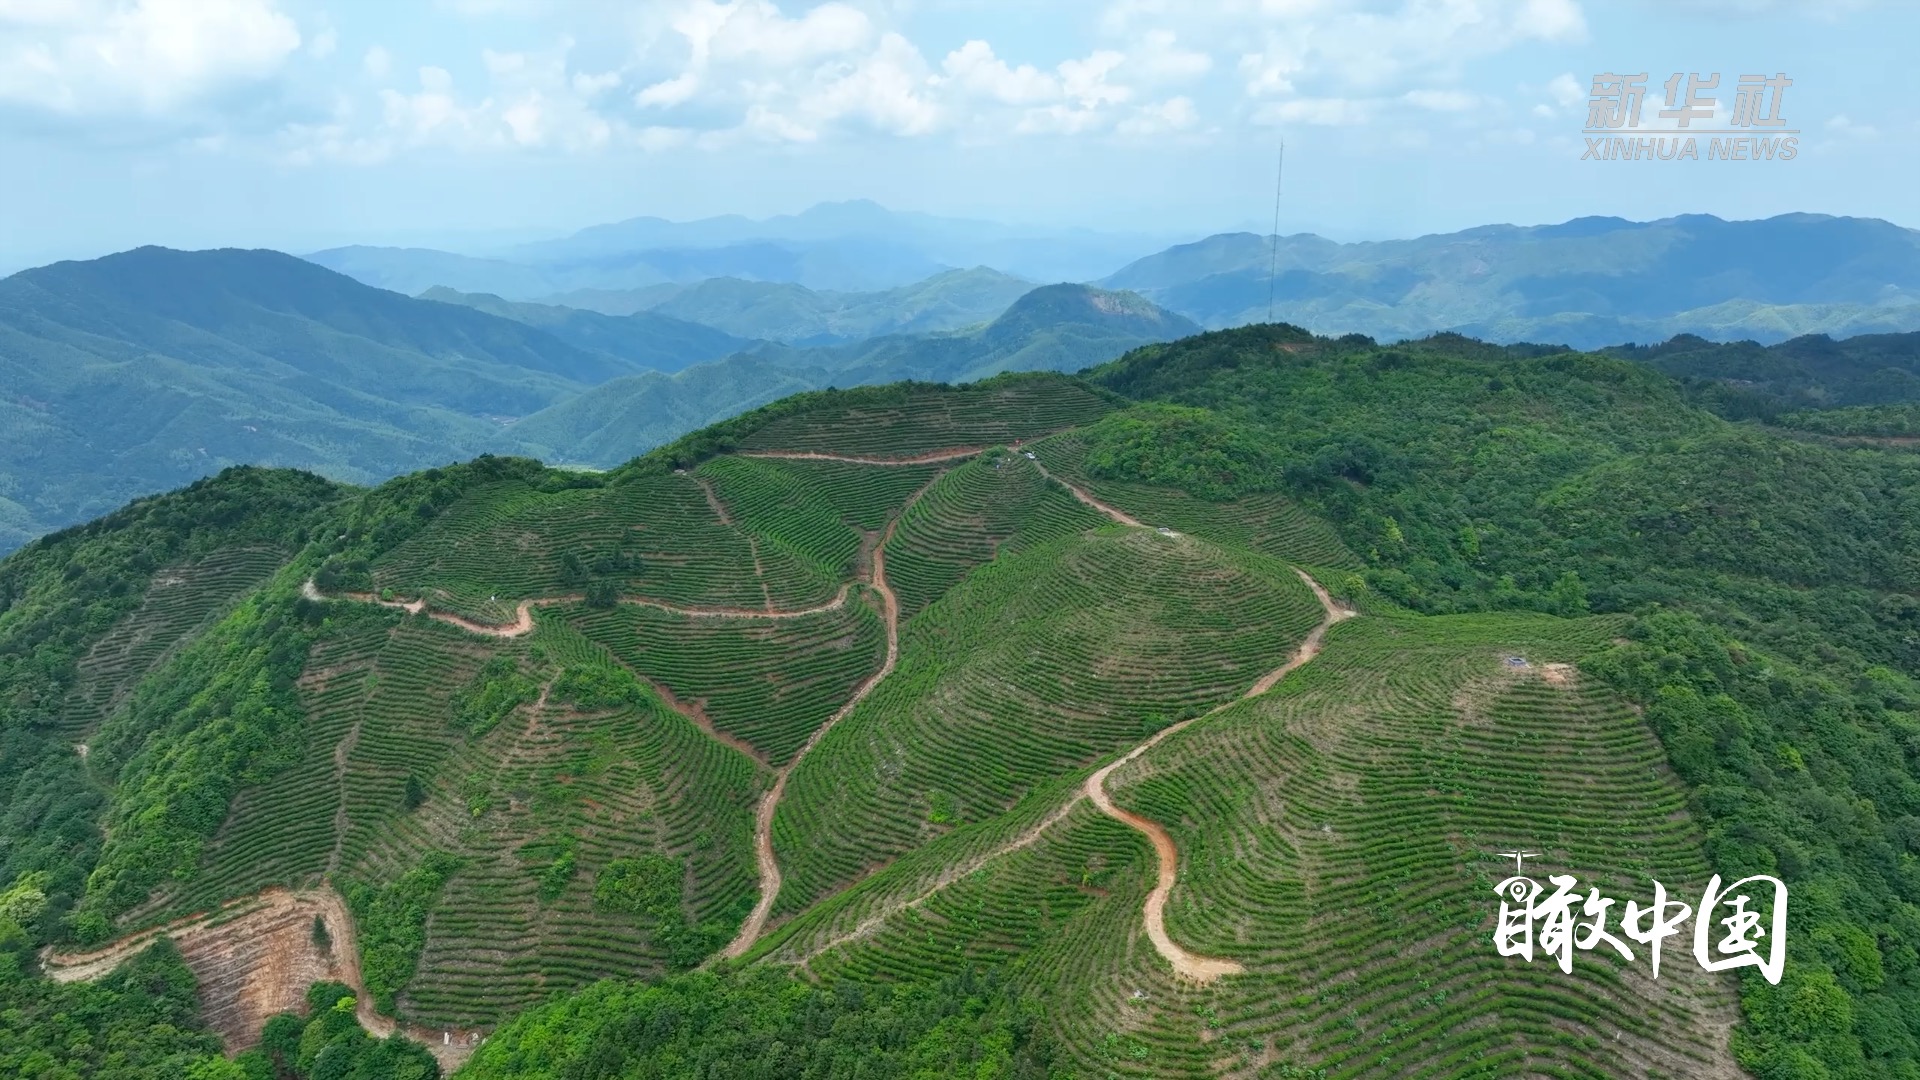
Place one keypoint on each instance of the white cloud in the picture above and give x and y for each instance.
(1157, 58)
(975, 69)
(669, 92)
(790, 79)
(1375, 48)
(96, 57)
(1567, 90)
(1085, 81)
(377, 62)
(532, 101)
(1173, 114)
(1324, 112)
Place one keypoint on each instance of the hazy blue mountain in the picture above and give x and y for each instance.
(145, 370)
(621, 419)
(795, 314)
(645, 339)
(848, 247)
(1037, 253)
(1587, 282)
(415, 270)
(1055, 327)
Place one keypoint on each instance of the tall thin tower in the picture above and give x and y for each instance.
(1273, 263)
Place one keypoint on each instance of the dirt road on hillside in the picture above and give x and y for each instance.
(254, 958)
(1200, 968)
(1086, 497)
(523, 624)
(763, 820)
(854, 459)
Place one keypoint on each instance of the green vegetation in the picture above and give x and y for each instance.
(330, 1044)
(767, 1025)
(85, 616)
(766, 682)
(1588, 282)
(649, 887)
(898, 420)
(1811, 780)
(1472, 478)
(1719, 643)
(1036, 665)
(392, 924)
(139, 1023)
(997, 504)
(498, 689)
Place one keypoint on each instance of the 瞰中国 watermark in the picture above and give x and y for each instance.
(1558, 922)
(1751, 129)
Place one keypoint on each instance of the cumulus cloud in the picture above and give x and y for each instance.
(107, 57)
(791, 78)
(714, 73)
(975, 70)
(531, 100)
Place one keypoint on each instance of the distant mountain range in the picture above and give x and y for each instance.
(851, 246)
(142, 371)
(796, 315)
(1587, 283)
(1052, 328)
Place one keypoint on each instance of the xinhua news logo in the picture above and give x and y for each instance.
(1692, 124)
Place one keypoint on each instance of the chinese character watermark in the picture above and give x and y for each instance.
(1750, 129)
(1559, 922)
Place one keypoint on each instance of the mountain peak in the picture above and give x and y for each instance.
(1085, 304)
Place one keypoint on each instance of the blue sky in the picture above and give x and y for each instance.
(307, 123)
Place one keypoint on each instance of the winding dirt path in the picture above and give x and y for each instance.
(1200, 968)
(1086, 497)
(1190, 965)
(254, 957)
(523, 622)
(855, 459)
(756, 923)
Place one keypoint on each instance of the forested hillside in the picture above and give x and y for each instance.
(1165, 721)
(143, 371)
(1588, 282)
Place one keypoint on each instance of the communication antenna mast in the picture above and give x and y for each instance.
(1273, 264)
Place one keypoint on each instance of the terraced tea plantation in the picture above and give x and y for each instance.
(1337, 838)
(831, 687)
(1033, 667)
(182, 600)
(892, 422)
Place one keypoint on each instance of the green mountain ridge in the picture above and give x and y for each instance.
(795, 315)
(647, 340)
(1589, 282)
(143, 371)
(1593, 617)
(1051, 328)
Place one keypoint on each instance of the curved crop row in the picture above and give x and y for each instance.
(181, 601)
(922, 418)
(1037, 665)
(978, 510)
(1259, 522)
(769, 683)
